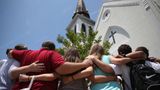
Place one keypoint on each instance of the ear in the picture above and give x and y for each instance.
(10, 54)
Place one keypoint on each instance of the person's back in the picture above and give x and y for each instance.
(2, 62)
(5, 80)
(154, 65)
(72, 55)
(144, 74)
(111, 85)
(125, 70)
(79, 84)
(51, 60)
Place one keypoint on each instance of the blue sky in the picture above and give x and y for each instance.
(33, 21)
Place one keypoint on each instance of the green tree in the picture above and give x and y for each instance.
(81, 41)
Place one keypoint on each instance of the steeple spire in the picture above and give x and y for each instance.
(81, 9)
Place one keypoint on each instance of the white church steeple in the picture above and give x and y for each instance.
(81, 19)
(81, 9)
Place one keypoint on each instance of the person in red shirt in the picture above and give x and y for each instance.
(53, 62)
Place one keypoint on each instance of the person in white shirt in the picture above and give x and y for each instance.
(2, 61)
(5, 80)
(124, 69)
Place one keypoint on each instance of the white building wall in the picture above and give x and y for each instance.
(131, 15)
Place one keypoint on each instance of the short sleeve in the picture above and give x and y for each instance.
(19, 54)
(56, 60)
(15, 65)
(154, 65)
(116, 69)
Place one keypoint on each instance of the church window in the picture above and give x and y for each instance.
(83, 28)
(90, 27)
(106, 15)
(75, 29)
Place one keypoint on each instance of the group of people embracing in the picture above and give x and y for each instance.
(52, 71)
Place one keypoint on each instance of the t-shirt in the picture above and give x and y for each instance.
(124, 71)
(110, 85)
(51, 60)
(154, 65)
(2, 61)
(5, 80)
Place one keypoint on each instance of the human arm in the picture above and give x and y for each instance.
(17, 54)
(69, 67)
(153, 59)
(120, 60)
(41, 77)
(136, 55)
(89, 74)
(101, 78)
(34, 67)
(104, 67)
(158, 60)
(82, 74)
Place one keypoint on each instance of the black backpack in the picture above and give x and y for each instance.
(144, 77)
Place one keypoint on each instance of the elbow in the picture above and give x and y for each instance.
(60, 70)
(12, 75)
(92, 80)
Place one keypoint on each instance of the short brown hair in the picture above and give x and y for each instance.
(20, 47)
(17, 47)
(72, 55)
(48, 45)
(124, 49)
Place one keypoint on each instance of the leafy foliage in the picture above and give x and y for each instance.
(81, 41)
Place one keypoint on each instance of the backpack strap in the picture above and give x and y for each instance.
(132, 79)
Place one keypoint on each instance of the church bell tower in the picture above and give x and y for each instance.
(81, 21)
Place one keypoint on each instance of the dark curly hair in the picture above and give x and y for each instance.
(124, 49)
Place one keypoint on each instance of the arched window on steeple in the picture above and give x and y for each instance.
(75, 29)
(84, 28)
